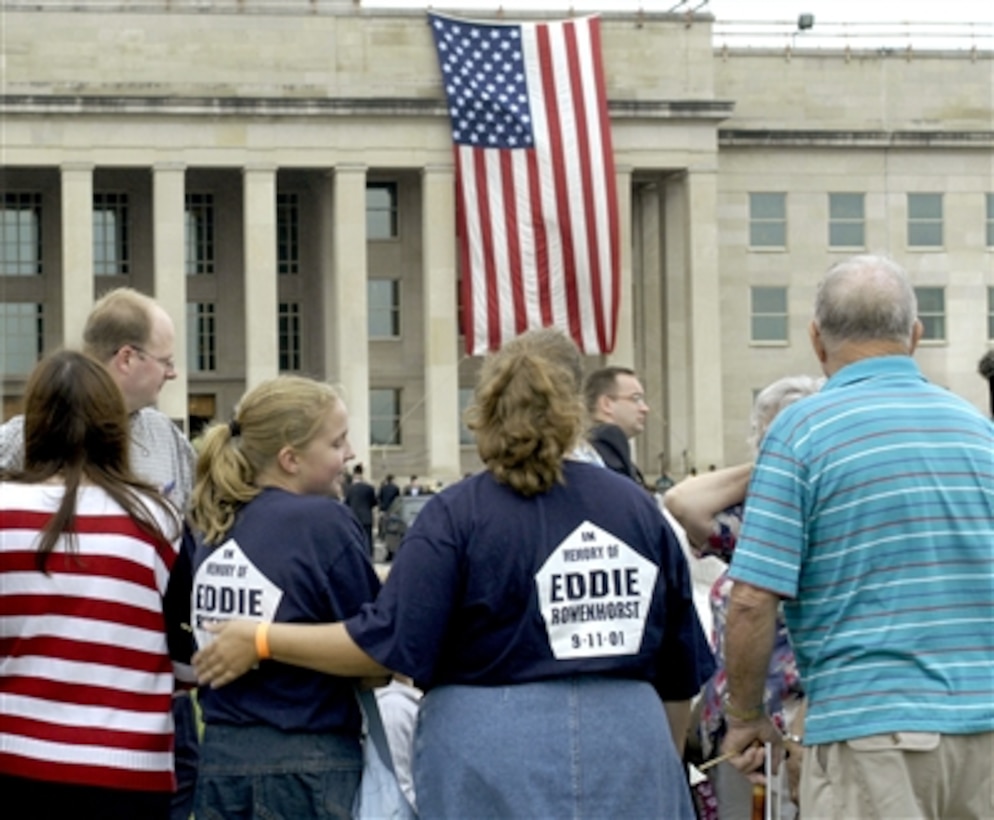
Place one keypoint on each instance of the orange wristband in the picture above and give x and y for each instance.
(262, 641)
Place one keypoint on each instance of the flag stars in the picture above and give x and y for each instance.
(485, 84)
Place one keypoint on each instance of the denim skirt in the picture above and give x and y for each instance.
(581, 747)
(261, 772)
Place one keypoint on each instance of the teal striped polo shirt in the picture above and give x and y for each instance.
(871, 510)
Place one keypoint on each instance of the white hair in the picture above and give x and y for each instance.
(775, 397)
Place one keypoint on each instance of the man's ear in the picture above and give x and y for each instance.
(817, 343)
(604, 409)
(121, 361)
(916, 335)
(287, 459)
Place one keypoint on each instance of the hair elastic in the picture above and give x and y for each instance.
(235, 428)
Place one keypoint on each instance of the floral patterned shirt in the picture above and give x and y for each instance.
(782, 680)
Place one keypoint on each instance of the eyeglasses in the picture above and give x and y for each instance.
(635, 398)
(167, 362)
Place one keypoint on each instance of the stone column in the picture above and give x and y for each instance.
(441, 328)
(704, 331)
(261, 303)
(346, 319)
(624, 349)
(169, 274)
(650, 321)
(77, 249)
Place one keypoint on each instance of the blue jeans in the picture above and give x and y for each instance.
(186, 756)
(260, 772)
(580, 747)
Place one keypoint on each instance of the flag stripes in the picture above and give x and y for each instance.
(536, 196)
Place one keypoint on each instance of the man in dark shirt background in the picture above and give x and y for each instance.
(360, 497)
(616, 404)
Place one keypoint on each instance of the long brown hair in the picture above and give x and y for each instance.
(76, 429)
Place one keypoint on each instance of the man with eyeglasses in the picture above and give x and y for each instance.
(133, 336)
(616, 403)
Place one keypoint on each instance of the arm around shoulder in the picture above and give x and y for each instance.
(695, 501)
(239, 645)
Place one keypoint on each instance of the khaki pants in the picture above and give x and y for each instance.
(906, 775)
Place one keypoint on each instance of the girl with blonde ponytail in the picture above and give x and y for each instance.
(275, 545)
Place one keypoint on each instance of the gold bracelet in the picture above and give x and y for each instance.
(744, 715)
(262, 641)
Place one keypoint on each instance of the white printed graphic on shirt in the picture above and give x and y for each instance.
(594, 592)
(228, 585)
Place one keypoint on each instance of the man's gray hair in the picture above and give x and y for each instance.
(866, 298)
(775, 397)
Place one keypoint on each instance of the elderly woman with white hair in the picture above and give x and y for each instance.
(710, 508)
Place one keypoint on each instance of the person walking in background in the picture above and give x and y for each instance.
(387, 493)
(709, 508)
(273, 545)
(871, 512)
(543, 606)
(87, 559)
(133, 336)
(616, 404)
(360, 497)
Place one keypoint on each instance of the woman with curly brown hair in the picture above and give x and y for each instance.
(545, 608)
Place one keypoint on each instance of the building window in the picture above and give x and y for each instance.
(21, 336)
(199, 234)
(288, 234)
(289, 336)
(384, 417)
(20, 234)
(767, 220)
(769, 315)
(381, 210)
(384, 308)
(924, 220)
(846, 221)
(201, 338)
(990, 220)
(466, 437)
(932, 312)
(990, 314)
(111, 239)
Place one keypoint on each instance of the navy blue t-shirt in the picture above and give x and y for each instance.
(493, 588)
(288, 558)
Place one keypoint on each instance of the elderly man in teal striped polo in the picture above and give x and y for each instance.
(870, 514)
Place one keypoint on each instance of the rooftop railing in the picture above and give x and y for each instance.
(808, 33)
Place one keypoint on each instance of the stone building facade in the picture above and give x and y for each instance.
(278, 173)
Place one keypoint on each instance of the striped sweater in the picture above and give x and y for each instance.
(871, 508)
(85, 676)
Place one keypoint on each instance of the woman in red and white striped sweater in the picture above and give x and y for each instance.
(87, 552)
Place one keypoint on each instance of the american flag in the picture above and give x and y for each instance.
(537, 206)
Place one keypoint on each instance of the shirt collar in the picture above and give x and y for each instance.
(897, 366)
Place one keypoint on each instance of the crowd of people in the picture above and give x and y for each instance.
(536, 645)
